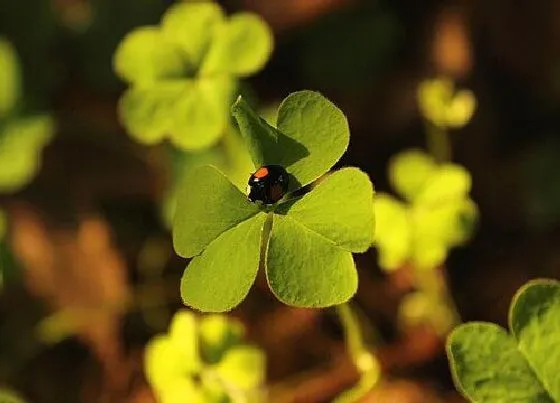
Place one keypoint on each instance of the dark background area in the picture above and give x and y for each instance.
(79, 229)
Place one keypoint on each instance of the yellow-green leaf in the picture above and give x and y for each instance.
(145, 56)
(339, 208)
(304, 269)
(148, 112)
(208, 204)
(9, 78)
(241, 46)
(409, 171)
(393, 232)
(192, 28)
(220, 278)
(21, 143)
(200, 115)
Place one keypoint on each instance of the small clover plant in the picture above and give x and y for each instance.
(21, 137)
(183, 73)
(436, 214)
(305, 243)
(491, 365)
(443, 106)
(203, 360)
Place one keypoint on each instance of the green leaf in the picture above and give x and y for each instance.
(145, 56)
(243, 366)
(192, 112)
(183, 334)
(490, 366)
(535, 323)
(449, 183)
(147, 112)
(192, 27)
(208, 204)
(312, 135)
(409, 172)
(438, 227)
(21, 141)
(304, 269)
(201, 114)
(450, 223)
(393, 233)
(241, 46)
(220, 278)
(261, 138)
(340, 208)
(164, 364)
(9, 78)
(312, 121)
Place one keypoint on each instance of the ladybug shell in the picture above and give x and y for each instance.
(268, 184)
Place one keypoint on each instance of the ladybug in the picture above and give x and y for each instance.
(268, 184)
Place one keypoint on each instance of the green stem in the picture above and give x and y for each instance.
(365, 361)
(438, 143)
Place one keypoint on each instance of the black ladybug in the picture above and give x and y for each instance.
(268, 184)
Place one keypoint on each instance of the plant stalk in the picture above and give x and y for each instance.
(438, 143)
(365, 361)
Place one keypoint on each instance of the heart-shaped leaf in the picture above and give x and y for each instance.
(192, 27)
(201, 115)
(409, 171)
(340, 208)
(220, 278)
(241, 46)
(21, 142)
(208, 204)
(314, 122)
(147, 112)
(304, 269)
(311, 137)
(450, 182)
(145, 56)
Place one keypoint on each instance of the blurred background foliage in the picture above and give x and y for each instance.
(88, 273)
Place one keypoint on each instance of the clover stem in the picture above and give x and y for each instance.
(365, 361)
(434, 285)
(265, 236)
(438, 143)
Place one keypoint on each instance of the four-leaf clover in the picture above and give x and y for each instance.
(438, 213)
(203, 360)
(305, 243)
(183, 73)
(21, 137)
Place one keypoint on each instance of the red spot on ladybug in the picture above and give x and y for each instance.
(268, 184)
(261, 172)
